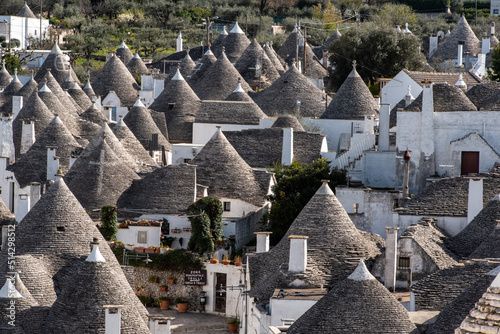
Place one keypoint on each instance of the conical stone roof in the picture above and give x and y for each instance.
(66, 100)
(59, 65)
(160, 121)
(274, 58)
(32, 166)
(336, 35)
(484, 318)
(68, 81)
(359, 304)
(484, 94)
(168, 189)
(26, 12)
(89, 91)
(99, 177)
(88, 314)
(28, 88)
(323, 219)
(58, 232)
(219, 42)
(462, 32)
(353, 100)
(478, 230)
(93, 114)
(187, 65)
(137, 67)
(114, 76)
(225, 173)
(6, 97)
(179, 103)
(124, 53)
(33, 109)
(142, 125)
(239, 94)
(282, 96)
(235, 43)
(131, 144)
(203, 65)
(252, 59)
(490, 247)
(219, 81)
(5, 77)
(446, 98)
(78, 95)
(288, 121)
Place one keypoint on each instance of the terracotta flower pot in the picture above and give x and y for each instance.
(163, 288)
(233, 328)
(182, 307)
(214, 261)
(226, 263)
(164, 304)
(139, 249)
(171, 280)
(237, 264)
(149, 250)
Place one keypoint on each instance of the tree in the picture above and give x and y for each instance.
(380, 52)
(12, 62)
(201, 239)
(109, 222)
(93, 37)
(295, 186)
(327, 13)
(394, 15)
(494, 72)
(213, 208)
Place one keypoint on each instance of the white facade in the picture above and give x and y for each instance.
(112, 107)
(396, 89)
(203, 132)
(495, 7)
(130, 235)
(150, 89)
(22, 28)
(184, 153)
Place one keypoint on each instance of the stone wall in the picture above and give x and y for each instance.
(246, 226)
(143, 286)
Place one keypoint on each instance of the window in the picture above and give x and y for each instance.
(142, 237)
(495, 11)
(187, 161)
(227, 206)
(171, 106)
(113, 113)
(61, 228)
(404, 262)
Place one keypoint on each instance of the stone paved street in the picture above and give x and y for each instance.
(194, 322)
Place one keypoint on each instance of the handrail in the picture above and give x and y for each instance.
(356, 151)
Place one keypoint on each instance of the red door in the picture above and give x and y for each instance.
(470, 163)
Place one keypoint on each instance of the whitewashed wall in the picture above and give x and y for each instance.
(129, 235)
(396, 89)
(288, 309)
(184, 151)
(202, 132)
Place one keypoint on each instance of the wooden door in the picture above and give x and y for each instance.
(470, 163)
(220, 292)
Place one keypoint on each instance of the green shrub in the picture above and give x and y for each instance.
(109, 222)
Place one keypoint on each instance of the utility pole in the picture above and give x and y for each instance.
(208, 37)
(41, 2)
(305, 41)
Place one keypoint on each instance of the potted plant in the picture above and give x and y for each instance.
(214, 260)
(164, 303)
(163, 288)
(233, 323)
(182, 304)
(176, 230)
(186, 229)
(171, 280)
(154, 278)
(237, 260)
(139, 249)
(155, 223)
(225, 259)
(123, 225)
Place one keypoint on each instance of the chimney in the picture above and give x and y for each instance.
(383, 137)
(467, 61)
(23, 206)
(475, 200)
(433, 44)
(113, 319)
(460, 53)
(52, 163)
(325, 58)
(35, 193)
(485, 45)
(179, 43)
(17, 105)
(297, 261)
(27, 135)
(72, 160)
(287, 149)
(7, 148)
(427, 132)
(406, 174)
(159, 324)
(492, 32)
(262, 241)
(391, 251)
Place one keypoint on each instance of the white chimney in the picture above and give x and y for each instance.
(297, 261)
(485, 45)
(52, 163)
(27, 135)
(492, 31)
(391, 251)
(179, 43)
(460, 54)
(427, 133)
(433, 44)
(287, 149)
(159, 324)
(34, 193)
(113, 319)
(263, 241)
(72, 160)
(6, 138)
(23, 206)
(383, 137)
(17, 105)
(475, 200)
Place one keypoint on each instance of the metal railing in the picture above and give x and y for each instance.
(355, 152)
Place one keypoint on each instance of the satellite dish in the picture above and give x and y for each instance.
(440, 34)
